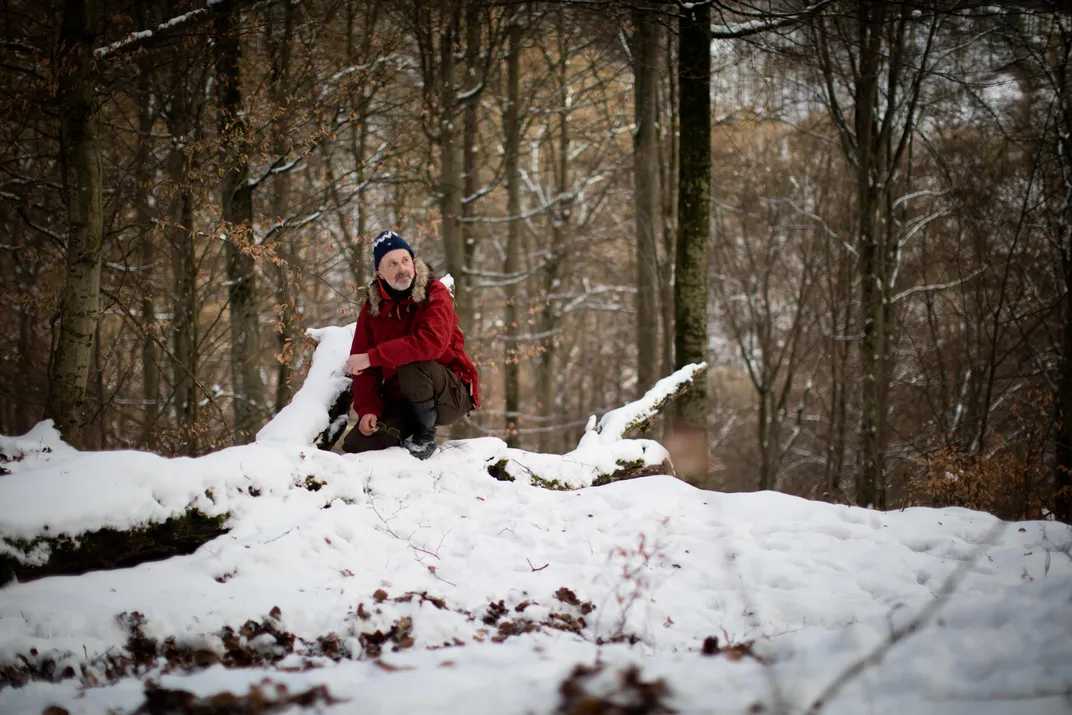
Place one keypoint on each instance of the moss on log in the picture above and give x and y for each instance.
(109, 548)
(626, 470)
(634, 470)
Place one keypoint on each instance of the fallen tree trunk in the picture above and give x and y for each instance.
(109, 548)
(603, 455)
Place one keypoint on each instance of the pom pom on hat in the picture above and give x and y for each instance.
(386, 242)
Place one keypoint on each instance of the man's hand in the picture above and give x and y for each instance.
(367, 424)
(355, 364)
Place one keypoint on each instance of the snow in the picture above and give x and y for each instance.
(817, 586)
(617, 422)
(39, 444)
(306, 416)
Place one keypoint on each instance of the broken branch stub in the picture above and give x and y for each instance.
(637, 416)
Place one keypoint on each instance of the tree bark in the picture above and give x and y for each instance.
(360, 261)
(150, 353)
(236, 200)
(646, 172)
(450, 176)
(179, 113)
(548, 319)
(694, 192)
(80, 297)
(512, 125)
(871, 479)
(669, 199)
(289, 333)
(184, 325)
(1061, 78)
(471, 176)
(1063, 403)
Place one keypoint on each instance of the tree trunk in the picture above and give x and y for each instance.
(1063, 403)
(1061, 77)
(512, 125)
(184, 305)
(181, 236)
(871, 479)
(24, 415)
(288, 331)
(694, 194)
(547, 319)
(236, 200)
(841, 321)
(359, 131)
(669, 199)
(150, 353)
(471, 175)
(80, 297)
(646, 171)
(450, 176)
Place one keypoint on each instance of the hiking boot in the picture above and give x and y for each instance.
(421, 444)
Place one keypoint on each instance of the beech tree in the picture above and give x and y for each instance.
(80, 156)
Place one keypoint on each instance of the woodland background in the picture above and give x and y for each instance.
(872, 248)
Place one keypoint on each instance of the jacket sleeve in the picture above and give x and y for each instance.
(367, 394)
(431, 338)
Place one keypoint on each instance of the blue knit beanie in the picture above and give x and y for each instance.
(386, 242)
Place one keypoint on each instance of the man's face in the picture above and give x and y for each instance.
(396, 267)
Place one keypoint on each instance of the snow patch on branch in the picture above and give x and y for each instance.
(302, 421)
(141, 35)
(618, 422)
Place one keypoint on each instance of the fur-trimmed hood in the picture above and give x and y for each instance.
(422, 276)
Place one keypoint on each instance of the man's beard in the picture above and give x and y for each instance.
(401, 285)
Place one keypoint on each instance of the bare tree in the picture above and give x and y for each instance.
(645, 50)
(875, 57)
(80, 305)
(512, 264)
(236, 197)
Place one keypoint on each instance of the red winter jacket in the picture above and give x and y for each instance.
(395, 333)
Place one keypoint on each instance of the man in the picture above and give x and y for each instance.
(408, 360)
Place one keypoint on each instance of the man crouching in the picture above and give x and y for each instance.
(408, 357)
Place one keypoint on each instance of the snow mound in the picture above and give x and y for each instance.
(41, 444)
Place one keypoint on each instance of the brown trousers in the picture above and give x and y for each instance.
(418, 382)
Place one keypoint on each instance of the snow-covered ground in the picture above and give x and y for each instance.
(381, 584)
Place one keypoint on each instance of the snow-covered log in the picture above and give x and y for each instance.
(124, 508)
(637, 416)
(67, 512)
(317, 412)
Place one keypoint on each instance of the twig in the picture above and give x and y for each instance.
(537, 569)
(281, 535)
(432, 570)
(409, 543)
(372, 503)
(425, 551)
